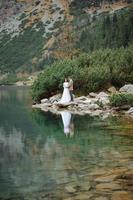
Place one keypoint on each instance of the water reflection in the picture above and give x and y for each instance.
(36, 158)
(67, 119)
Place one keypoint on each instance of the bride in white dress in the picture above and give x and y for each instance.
(66, 97)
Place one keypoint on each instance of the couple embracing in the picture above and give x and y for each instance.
(67, 95)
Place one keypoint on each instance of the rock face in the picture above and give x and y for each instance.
(127, 88)
(13, 7)
(46, 18)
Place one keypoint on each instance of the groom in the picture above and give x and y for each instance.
(71, 87)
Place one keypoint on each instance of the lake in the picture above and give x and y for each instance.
(69, 157)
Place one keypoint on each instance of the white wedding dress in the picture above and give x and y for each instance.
(66, 98)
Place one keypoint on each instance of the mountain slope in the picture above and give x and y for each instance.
(35, 33)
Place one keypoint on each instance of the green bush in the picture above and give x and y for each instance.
(121, 99)
(90, 72)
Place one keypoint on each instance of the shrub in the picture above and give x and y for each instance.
(90, 72)
(121, 99)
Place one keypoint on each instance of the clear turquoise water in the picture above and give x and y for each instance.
(38, 160)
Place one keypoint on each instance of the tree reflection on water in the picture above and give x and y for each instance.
(35, 155)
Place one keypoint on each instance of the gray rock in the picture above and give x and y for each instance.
(87, 101)
(105, 115)
(106, 179)
(108, 186)
(44, 101)
(55, 98)
(127, 88)
(82, 98)
(102, 94)
(70, 189)
(89, 112)
(64, 105)
(82, 196)
(94, 100)
(93, 106)
(96, 113)
(119, 108)
(92, 94)
(101, 198)
(104, 100)
(130, 111)
(124, 107)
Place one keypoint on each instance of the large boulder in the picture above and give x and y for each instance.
(103, 98)
(55, 98)
(127, 88)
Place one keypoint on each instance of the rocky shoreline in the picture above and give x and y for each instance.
(94, 104)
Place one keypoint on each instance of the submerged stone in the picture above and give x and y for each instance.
(121, 195)
(83, 196)
(106, 179)
(70, 189)
(101, 198)
(107, 186)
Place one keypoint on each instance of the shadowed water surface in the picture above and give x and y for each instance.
(45, 156)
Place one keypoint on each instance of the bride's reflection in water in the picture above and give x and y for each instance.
(67, 119)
